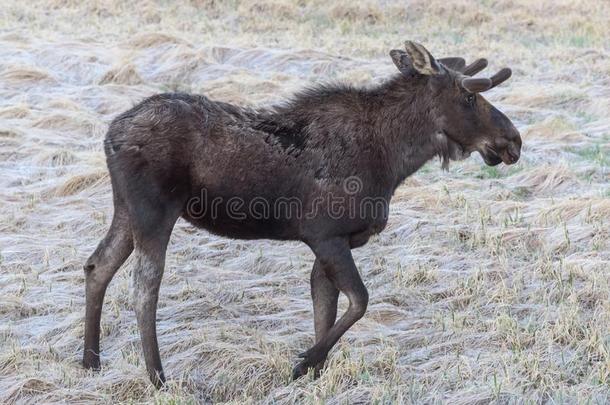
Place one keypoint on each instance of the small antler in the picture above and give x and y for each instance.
(475, 67)
(501, 76)
(477, 84)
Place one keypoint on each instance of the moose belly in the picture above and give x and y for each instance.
(247, 191)
(244, 216)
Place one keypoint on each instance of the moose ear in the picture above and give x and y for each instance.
(402, 61)
(421, 60)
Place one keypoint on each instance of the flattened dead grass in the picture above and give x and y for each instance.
(490, 285)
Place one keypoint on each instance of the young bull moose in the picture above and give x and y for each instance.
(163, 153)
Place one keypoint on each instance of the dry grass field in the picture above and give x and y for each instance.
(490, 284)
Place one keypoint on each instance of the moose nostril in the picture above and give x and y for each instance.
(513, 152)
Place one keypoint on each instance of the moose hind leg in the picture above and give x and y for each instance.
(100, 268)
(337, 260)
(147, 275)
(152, 228)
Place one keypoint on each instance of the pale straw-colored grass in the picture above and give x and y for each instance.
(489, 284)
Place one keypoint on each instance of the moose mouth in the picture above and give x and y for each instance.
(490, 158)
(493, 158)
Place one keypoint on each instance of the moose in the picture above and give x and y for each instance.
(164, 151)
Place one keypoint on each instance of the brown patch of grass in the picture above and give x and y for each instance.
(25, 74)
(123, 74)
(77, 183)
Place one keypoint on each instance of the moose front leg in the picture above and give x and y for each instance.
(324, 295)
(336, 260)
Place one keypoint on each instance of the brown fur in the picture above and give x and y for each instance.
(173, 154)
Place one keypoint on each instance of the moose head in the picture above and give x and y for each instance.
(465, 120)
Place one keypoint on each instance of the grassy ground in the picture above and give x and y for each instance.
(489, 285)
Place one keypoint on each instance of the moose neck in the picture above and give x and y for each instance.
(393, 123)
(406, 126)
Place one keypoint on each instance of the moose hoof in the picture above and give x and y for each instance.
(300, 369)
(310, 360)
(303, 367)
(91, 361)
(158, 380)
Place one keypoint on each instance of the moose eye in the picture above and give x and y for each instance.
(470, 99)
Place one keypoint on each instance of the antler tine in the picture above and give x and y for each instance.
(480, 84)
(501, 76)
(475, 67)
(476, 84)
